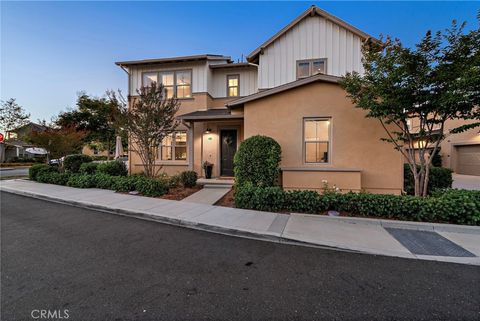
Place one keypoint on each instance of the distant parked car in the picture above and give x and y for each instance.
(56, 162)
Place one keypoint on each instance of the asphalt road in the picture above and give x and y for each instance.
(15, 172)
(106, 267)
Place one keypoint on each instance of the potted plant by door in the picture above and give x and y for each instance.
(207, 167)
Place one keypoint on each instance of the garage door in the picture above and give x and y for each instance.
(468, 160)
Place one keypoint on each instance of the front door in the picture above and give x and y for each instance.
(228, 147)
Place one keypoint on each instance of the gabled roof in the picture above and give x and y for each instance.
(173, 59)
(312, 11)
(33, 127)
(281, 88)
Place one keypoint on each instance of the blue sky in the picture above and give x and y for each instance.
(51, 51)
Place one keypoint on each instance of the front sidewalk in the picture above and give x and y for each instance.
(381, 237)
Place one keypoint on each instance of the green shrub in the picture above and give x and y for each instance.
(50, 177)
(82, 181)
(126, 183)
(257, 161)
(173, 181)
(259, 198)
(34, 170)
(114, 168)
(151, 187)
(439, 177)
(72, 163)
(104, 181)
(188, 178)
(448, 205)
(88, 168)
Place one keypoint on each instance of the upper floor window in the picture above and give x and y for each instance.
(177, 83)
(316, 140)
(307, 68)
(233, 85)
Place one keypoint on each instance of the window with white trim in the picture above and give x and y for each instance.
(307, 68)
(177, 83)
(174, 146)
(233, 85)
(316, 138)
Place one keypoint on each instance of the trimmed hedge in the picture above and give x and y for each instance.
(257, 161)
(72, 163)
(114, 168)
(88, 168)
(142, 184)
(451, 205)
(35, 169)
(188, 178)
(439, 177)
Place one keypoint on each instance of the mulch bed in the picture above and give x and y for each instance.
(227, 200)
(180, 192)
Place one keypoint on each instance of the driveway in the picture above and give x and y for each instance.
(107, 267)
(466, 182)
(13, 172)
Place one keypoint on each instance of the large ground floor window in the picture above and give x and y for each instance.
(174, 146)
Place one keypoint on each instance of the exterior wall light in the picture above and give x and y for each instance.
(208, 131)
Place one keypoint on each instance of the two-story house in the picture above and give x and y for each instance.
(288, 90)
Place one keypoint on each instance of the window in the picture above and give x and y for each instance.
(174, 146)
(233, 85)
(177, 83)
(149, 78)
(307, 68)
(316, 140)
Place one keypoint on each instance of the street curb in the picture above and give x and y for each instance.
(181, 223)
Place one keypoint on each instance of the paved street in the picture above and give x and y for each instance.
(107, 267)
(13, 172)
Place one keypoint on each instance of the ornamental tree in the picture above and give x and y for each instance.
(148, 121)
(12, 115)
(436, 81)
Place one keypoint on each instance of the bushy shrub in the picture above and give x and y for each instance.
(126, 183)
(450, 205)
(72, 163)
(439, 177)
(35, 169)
(104, 181)
(88, 168)
(259, 198)
(188, 178)
(51, 177)
(114, 168)
(151, 187)
(173, 181)
(82, 181)
(257, 161)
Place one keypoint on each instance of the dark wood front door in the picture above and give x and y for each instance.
(228, 147)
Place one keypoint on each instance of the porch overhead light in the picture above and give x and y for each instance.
(208, 131)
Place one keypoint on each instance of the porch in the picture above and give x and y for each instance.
(215, 135)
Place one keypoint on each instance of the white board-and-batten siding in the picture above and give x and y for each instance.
(248, 81)
(313, 37)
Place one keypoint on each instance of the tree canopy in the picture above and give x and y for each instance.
(434, 82)
(12, 115)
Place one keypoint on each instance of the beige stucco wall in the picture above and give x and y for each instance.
(356, 144)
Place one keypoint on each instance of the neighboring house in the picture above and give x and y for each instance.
(92, 150)
(459, 152)
(287, 90)
(16, 142)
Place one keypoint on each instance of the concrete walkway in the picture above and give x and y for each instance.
(208, 195)
(440, 242)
